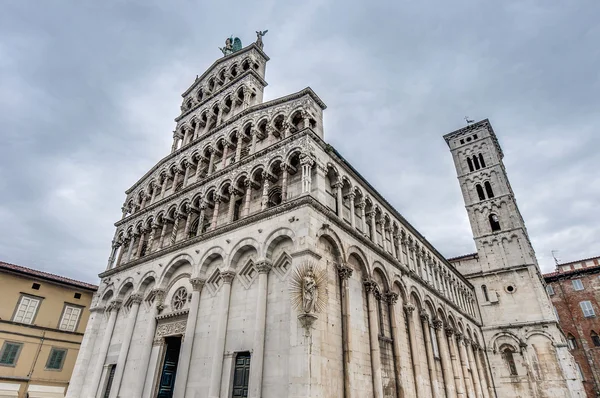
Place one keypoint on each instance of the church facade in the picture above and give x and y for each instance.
(254, 261)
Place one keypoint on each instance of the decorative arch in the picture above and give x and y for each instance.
(335, 239)
(274, 238)
(173, 265)
(126, 285)
(241, 248)
(208, 256)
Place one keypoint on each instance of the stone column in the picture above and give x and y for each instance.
(130, 248)
(458, 379)
(371, 216)
(340, 201)
(392, 299)
(163, 188)
(248, 185)
(429, 354)
(474, 370)
(211, 161)
(254, 135)
(445, 359)
(256, 368)
(121, 251)
(136, 299)
(225, 153)
(175, 180)
(186, 176)
(199, 167)
(238, 148)
(307, 164)
(414, 349)
(151, 237)
(138, 251)
(174, 146)
(153, 196)
(138, 383)
(144, 199)
(124, 209)
(113, 253)
(162, 234)
(185, 355)
(188, 222)
(196, 130)
(462, 352)
(265, 193)
(387, 231)
(371, 288)
(232, 200)
(362, 206)
(213, 223)
(176, 220)
(351, 196)
(219, 343)
(482, 371)
(284, 182)
(345, 272)
(201, 219)
(113, 309)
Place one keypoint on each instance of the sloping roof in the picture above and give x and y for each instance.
(45, 275)
(464, 256)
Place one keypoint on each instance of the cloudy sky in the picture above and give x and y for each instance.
(89, 91)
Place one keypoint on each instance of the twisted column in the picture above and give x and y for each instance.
(256, 368)
(215, 215)
(211, 161)
(248, 185)
(238, 148)
(265, 193)
(201, 218)
(219, 344)
(371, 288)
(284, 182)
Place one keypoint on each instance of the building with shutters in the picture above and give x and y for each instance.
(574, 289)
(42, 321)
(254, 261)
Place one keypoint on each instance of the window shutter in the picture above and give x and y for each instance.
(26, 310)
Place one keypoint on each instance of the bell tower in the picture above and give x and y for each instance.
(520, 327)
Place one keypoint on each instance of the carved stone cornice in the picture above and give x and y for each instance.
(344, 271)
(197, 284)
(174, 314)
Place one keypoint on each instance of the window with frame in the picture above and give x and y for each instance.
(595, 339)
(588, 310)
(56, 359)
(571, 342)
(507, 353)
(70, 318)
(26, 309)
(10, 353)
(550, 290)
(577, 284)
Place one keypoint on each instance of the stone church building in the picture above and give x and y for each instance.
(254, 261)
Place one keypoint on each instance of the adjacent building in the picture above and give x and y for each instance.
(574, 289)
(42, 321)
(254, 261)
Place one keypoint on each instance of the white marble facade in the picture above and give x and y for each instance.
(211, 237)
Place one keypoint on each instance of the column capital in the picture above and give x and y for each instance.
(437, 324)
(449, 331)
(475, 345)
(409, 308)
(459, 336)
(362, 204)
(370, 285)
(197, 284)
(351, 195)
(136, 298)
(391, 297)
(344, 271)
(264, 266)
(97, 308)
(227, 276)
(114, 305)
(424, 316)
(158, 295)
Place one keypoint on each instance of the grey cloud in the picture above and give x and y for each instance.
(89, 93)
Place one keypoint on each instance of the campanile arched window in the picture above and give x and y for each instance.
(485, 292)
(507, 354)
(476, 163)
(480, 192)
(494, 222)
(488, 189)
(481, 161)
(470, 164)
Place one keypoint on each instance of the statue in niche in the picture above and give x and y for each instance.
(259, 36)
(310, 294)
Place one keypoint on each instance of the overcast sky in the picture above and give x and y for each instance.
(88, 94)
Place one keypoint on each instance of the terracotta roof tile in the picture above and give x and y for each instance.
(46, 275)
